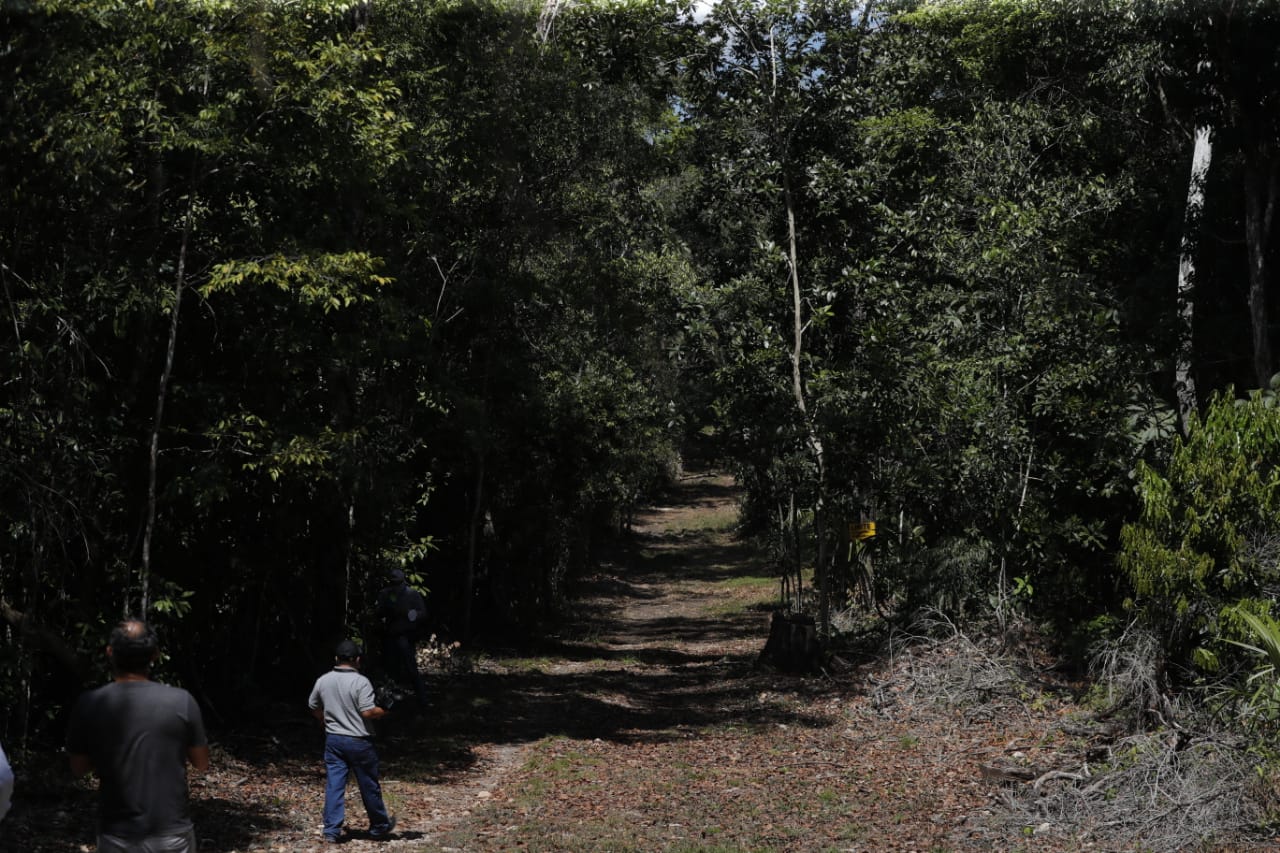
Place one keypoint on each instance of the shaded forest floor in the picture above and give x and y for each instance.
(645, 725)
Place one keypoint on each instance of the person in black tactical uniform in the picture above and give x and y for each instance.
(403, 613)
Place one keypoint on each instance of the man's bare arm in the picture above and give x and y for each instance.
(81, 764)
(199, 757)
(374, 713)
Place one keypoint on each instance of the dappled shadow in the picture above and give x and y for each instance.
(225, 824)
(623, 704)
(37, 808)
(698, 559)
(292, 748)
(650, 652)
(646, 652)
(417, 748)
(221, 823)
(279, 747)
(573, 651)
(609, 587)
(693, 490)
(631, 570)
(364, 835)
(688, 630)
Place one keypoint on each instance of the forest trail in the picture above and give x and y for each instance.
(643, 724)
(670, 618)
(646, 725)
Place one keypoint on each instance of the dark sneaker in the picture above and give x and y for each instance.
(330, 839)
(386, 833)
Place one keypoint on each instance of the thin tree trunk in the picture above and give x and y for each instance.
(790, 565)
(1260, 196)
(1184, 382)
(1003, 609)
(350, 557)
(797, 346)
(144, 573)
(821, 557)
(547, 19)
(473, 538)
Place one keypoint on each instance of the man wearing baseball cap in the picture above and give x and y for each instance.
(343, 700)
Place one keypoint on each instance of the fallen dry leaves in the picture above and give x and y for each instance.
(645, 725)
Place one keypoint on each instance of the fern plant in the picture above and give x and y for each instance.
(1260, 702)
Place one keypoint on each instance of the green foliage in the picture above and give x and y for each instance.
(421, 261)
(1258, 697)
(1200, 557)
(330, 281)
(966, 367)
(456, 293)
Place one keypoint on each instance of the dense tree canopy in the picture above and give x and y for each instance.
(297, 293)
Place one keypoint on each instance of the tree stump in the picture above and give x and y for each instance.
(793, 643)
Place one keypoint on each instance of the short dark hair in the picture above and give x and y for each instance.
(347, 651)
(134, 645)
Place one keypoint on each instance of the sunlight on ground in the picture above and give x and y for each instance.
(743, 594)
(720, 518)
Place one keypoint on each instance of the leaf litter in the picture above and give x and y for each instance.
(645, 724)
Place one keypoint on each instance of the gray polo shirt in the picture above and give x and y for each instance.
(343, 693)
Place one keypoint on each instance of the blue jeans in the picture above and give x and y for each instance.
(344, 755)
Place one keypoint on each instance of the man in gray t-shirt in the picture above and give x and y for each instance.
(343, 700)
(138, 736)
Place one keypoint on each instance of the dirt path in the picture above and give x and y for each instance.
(643, 725)
(679, 609)
(646, 725)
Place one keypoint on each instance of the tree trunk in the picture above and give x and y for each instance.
(547, 19)
(349, 561)
(821, 557)
(1184, 382)
(1260, 184)
(153, 457)
(473, 550)
(793, 644)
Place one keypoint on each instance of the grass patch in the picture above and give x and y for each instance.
(742, 594)
(518, 664)
(548, 769)
(750, 582)
(732, 607)
(572, 765)
(720, 521)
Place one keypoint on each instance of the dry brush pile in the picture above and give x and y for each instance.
(1137, 772)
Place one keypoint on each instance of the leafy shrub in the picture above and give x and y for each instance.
(1193, 557)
